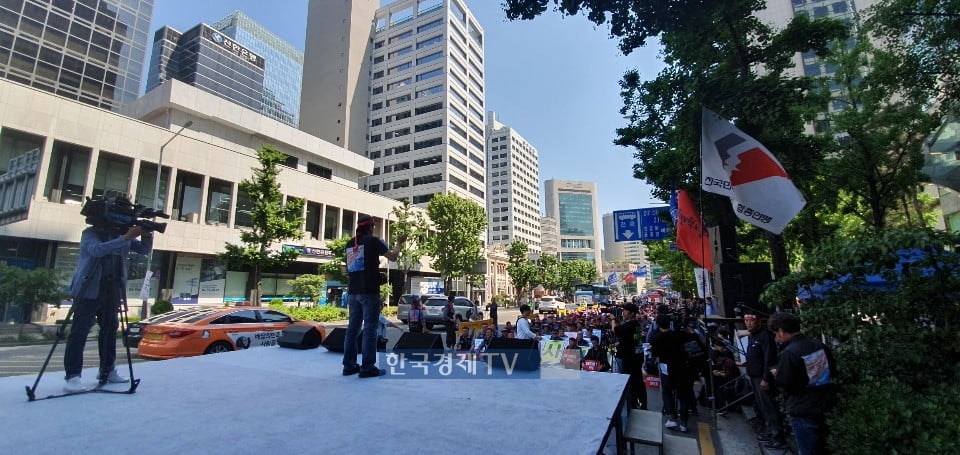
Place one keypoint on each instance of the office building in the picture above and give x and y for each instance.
(92, 51)
(620, 252)
(283, 74)
(549, 236)
(65, 151)
(513, 187)
(574, 206)
(207, 59)
(408, 93)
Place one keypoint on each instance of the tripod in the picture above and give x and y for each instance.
(124, 323)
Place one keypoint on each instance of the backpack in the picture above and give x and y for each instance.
(696, 355)
(414, 318)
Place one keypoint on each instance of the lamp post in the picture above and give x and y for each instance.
(145, 307)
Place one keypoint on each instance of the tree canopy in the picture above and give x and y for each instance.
(456, 247)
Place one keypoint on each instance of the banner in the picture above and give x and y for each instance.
(739, 167)
(692, 236)
(704, 283)
(612, 278)
(186, 280)
(213, 280)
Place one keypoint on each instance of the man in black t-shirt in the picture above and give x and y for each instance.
(626, 332)
(363, 298)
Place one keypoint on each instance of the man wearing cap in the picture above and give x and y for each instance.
(761, 357)
(363, 298)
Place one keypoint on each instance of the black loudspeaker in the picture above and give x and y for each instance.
(521, 355)
(741, 284)
(299, 337)
(429, 343)
(334, 340)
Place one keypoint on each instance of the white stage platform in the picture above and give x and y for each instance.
(279, 401)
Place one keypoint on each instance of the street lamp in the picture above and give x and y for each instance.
(145, 307)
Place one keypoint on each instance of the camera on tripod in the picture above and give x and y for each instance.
(118, 214)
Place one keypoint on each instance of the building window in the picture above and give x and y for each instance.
(429, 58)
(427, 179)
(429, 41)
(429, 91)
(427, 143)
(67, 177)
(319, 170)
(113, 176)
(429, 74)
(422, 198)
(428, 108)
(428, 126)
(219, 194)
(429, 26)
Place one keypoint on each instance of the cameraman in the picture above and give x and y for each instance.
(97, 289)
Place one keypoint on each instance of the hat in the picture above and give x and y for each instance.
(365, 220)
(750, 316)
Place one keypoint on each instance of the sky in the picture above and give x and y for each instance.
(553, 79)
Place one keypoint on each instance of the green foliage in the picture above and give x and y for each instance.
(548, 273)
(28, 289)
(308, 287)
(411, 225)
(273, 220)
(385, 290)
(336, 268)
(457, 246)
(318, 313)
(574, 272)
(390, 311)
(276, 301)
(898, 358)
(674, 262)
(522, 272)
(160, 307)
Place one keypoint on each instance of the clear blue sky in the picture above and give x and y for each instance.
(553, 79)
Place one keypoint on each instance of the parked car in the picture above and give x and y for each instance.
(549, 304)
(403, 305)
(464, 308)
(217, 330)
(135, 329)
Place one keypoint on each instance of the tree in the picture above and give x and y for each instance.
(336, 268)
(895, 346)
(28, 289)
(456, 247)
(574, 272)
(522, 271)
(410, 223)
(548, 273)
(272, 221)
(674, 262)
(308, 286)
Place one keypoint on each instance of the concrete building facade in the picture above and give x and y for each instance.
(513, 187)
(613, 251)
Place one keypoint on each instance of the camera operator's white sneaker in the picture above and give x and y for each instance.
(113, 378)
(74, 385)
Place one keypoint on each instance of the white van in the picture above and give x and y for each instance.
(550, 304)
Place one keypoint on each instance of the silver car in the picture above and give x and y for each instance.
(465, 310)
(403, 306)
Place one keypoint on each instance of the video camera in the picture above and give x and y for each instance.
(118, 214)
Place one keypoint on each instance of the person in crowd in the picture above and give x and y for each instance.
(556, 335)
(724, 372)
(492, 310)
(508, 327)
(96, 289)
(509, 334)
(382, 329)
(523, 327)
(761, 357)
(596, 357)
(676, 383)
(627, 352)
(465, 342)
(450, 322)
(363, 298)
(804, 372)
(415, 316)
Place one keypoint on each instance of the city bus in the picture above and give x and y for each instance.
(592, 294)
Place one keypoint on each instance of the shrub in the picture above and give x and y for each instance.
(896, 348)
(275, 301)
(390, 311)
(161, 306)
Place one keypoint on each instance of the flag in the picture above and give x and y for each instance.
(692, 235)
(612, 278)
(629, 278)
(641, 272)
(739, 167)
(665, 280)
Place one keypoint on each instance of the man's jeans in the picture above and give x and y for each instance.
(769, 410)
(810, 434)
(104, 309)
(674, 388)
(364, 310)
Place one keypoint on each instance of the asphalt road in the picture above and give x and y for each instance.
(27, 360)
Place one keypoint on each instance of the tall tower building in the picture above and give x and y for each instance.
(90, 50)
(207, 59)
(513, 187)
(550, 236)
(613, 251)
(574, 206)
(402, 85)
(283, 74)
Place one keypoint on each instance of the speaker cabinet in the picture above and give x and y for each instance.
(334, 340)
(741, 284)
(519, 354)
(300, 337)
(427, 343)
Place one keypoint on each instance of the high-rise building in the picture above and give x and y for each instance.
(207, 59)
(407, 93)
(549, 236)
(513, 187)
(283, 74)
(87, 50)
(574, 206)
(613, 251)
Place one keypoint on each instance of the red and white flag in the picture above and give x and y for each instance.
(739, 167)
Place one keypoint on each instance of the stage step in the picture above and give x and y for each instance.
(680, 445)
(644, 427)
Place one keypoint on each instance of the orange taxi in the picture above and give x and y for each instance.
(217, 330)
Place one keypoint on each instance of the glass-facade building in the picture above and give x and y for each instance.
(87, 50)
(283, 74)
(572, 206)
(207, 59)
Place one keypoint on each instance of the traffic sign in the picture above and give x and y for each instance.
(626, 225)
(652, 226)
